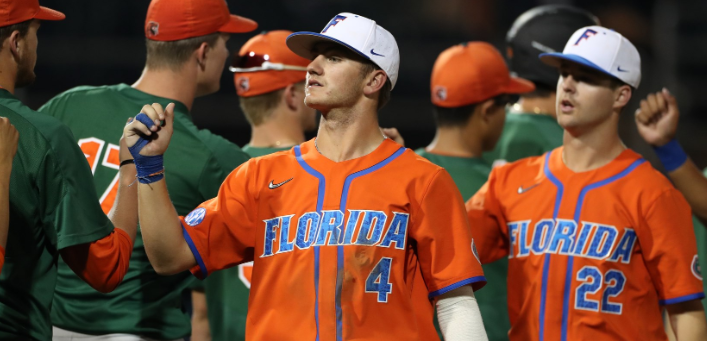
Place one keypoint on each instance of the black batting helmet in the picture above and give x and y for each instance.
(542, 29)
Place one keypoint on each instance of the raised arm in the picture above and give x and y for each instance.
(8, 147)
(657, 121)
(162, 233)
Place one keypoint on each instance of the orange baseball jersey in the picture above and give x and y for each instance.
(336, 246)
(592, 255)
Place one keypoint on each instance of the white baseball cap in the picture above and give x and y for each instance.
(359, 34)
(602, 49)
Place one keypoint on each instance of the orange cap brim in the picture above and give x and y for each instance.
(518, 85)
(238, 24)
(49, 14)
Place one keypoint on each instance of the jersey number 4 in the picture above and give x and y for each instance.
(378, 280)
(592, 280)
(92, 148)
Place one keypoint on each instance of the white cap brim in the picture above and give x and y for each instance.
(555, 59)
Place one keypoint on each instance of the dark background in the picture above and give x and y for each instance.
(102, 42)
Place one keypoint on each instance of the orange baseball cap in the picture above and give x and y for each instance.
(169, 20)
(471, 73)
(17, 11)
(266, 64)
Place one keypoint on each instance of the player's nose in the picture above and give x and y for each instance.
(567, 83)
(314, 66)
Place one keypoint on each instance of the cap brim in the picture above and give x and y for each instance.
(238, 24)
(49, 14)
(555, 59)
(518, 85)
(302, 43)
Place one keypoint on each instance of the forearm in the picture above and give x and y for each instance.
(693, 185)
(200, 330)
(459, 316)
(123, 214)
(688, 320)
(162, 231)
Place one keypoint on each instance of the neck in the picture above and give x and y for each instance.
(537, 105)
(592, 149)
(177, 85)
(348, 133)
(455, 141)
(276, 132)
(8, 71)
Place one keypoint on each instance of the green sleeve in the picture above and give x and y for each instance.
(226, 157)
(70, 202)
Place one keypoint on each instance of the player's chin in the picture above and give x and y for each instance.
(315, 103)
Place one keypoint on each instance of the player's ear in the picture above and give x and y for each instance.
(374, 82)
(201, 54)
(622, 95)
(486, 109)
(290, 97)
(13, 44)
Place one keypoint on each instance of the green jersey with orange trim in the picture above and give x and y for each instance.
(469, 174)
(53, 205)
(524, 135)
(197, 161)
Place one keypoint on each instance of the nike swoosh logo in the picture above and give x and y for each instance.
(376, 54)
(522, 190)
(271, 185)
(619, 68)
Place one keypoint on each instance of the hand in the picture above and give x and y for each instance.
(158, 137)
(657, 118)
(8, 142)
(393, 134)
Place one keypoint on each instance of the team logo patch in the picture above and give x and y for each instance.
(195, 217)
(473, 250)
(441, 93)
(243, 84)
(153, 29)
(696, 268)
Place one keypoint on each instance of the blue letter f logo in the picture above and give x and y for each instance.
(587, 33)
(334, 21)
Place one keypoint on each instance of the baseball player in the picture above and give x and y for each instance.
(598, 241)
(531, 128)
(657, 121)
(8, 148)
(336, 226)
(269, 80)
(190, 58)
(470, 89)
(53, 209)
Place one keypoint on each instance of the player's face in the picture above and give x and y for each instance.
(27, 49)
(584, 97)
(334, 78)
(210, 80)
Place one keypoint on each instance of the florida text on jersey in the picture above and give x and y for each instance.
(592, 255)
(337, 243)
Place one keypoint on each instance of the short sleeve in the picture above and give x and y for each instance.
(220, 232)
(444, 246)
(667, 241)
(487, 221)
(69, 196)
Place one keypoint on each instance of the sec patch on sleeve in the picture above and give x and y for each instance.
(195, 217)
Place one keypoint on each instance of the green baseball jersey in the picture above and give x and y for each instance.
(227, 290)
(525, 135)
(469, 174)
(53, 205)
(196, 164)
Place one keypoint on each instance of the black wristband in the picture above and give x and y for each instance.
(126, 162)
